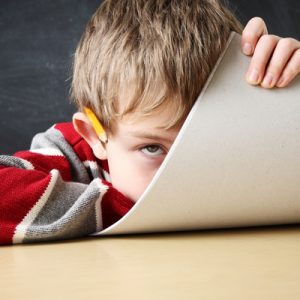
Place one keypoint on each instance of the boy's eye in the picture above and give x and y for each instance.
(152, 150)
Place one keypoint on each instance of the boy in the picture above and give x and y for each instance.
(138, 69)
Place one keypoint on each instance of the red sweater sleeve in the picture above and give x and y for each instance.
(56, 190)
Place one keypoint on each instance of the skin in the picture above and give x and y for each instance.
(139, 145)
(275, 60)
(136, 150)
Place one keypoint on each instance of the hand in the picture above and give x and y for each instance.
(275, 60)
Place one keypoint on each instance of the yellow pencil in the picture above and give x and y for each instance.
(96, 124)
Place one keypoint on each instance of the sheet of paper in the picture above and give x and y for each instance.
(235, 162)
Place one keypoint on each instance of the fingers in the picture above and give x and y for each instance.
(252, 32)
(262, 53)
(291, 70)
(275, 62)
(282, 57)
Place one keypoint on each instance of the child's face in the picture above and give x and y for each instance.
(136, 150)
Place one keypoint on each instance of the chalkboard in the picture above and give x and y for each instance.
(281, 17)
(37, 42)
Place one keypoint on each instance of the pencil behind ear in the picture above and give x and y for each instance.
(84, 128)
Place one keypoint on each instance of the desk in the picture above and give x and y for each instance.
(261, 263)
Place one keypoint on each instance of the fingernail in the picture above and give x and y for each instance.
(247, 48)
(268, 80)
(252, 77)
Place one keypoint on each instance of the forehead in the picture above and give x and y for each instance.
(148, 128)
(155, 124)
(159, 118)
(156, 109)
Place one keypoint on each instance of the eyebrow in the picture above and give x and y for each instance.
(151, 136)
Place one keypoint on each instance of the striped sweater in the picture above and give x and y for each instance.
(56, 190)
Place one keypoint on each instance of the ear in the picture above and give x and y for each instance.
(84, 127)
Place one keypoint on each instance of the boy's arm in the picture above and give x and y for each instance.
(54, 191)
(275, 60)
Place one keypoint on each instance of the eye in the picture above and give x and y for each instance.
(152, 150)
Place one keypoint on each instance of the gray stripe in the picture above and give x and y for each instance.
(68, 213)
(11, 161)
(53, 138)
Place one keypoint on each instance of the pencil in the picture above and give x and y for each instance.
(96, 124)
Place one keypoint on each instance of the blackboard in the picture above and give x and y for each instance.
(37, 42)
(281, 17)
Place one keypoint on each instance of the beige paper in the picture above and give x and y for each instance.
(235, 162)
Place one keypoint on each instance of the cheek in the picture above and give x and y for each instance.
(130, 174)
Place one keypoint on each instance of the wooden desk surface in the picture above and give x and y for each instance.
(243, 264)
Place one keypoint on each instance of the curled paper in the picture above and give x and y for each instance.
(235, 162)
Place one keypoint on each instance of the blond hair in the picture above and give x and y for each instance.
(155, 51)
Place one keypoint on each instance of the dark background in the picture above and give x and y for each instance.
(37, 42)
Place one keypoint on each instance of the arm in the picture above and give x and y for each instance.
(54, 191)
(275, 60)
